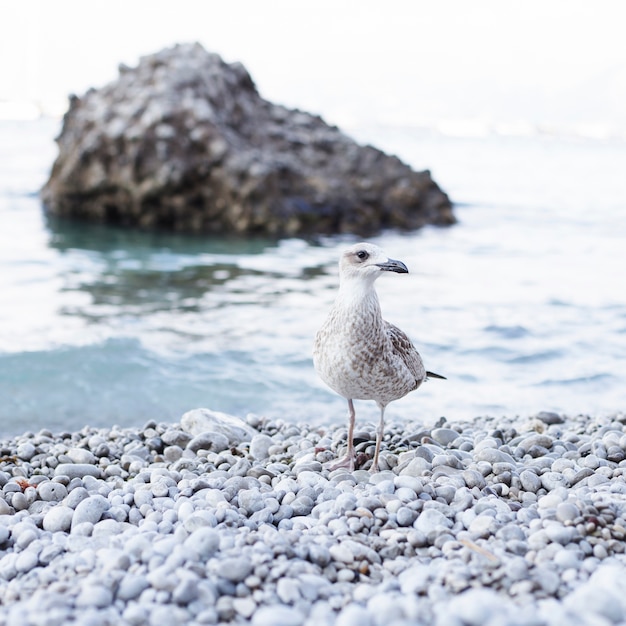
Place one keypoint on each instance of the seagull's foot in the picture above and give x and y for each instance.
(346, 463)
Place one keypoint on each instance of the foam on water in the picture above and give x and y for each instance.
(521, 305)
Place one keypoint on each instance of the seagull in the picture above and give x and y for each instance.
(357, 353)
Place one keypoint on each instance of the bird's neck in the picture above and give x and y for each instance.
(357, 294)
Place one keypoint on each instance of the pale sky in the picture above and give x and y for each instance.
(547, 62)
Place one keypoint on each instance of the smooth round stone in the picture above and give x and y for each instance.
(288, 590)
(20, 502)
(200, 519)
(340, 552)
(404, 494)
(212, 441)
(160, 489)
(567, 512)
(251, 500)
(493, 455)
(26, 451)
(277, 615)
(77, 470)
(185, 592)
(445, 460)
(567, 559)
(552, 480)
(591, 461)
(173, 453)
(417, 467)
(444, 436)
(483, 526)
(476, 607)
(175, 437)
(199, 421)
(409, 482)
(302, 505)
(425, 453)
(5, 508)
(536, 440)
(24, 534)
(553, 499)
(538, 540)
(473, 478)
(51, 491)
(90, 510)
(319, 555)
(58, 519)
(81, 455)
(97, 596)
(432, 522)
(600, 552)
(26, 561)
(405, 516)
(235, 569)
(597, 479)
(244, 606)
(143, 496)
(560, 534)
(259, 446)
(550, 418)
(75, 497)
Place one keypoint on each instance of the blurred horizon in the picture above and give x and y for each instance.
(461, 69)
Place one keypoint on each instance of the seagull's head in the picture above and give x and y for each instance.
(365, 261)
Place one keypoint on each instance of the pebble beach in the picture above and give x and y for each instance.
(218, 519)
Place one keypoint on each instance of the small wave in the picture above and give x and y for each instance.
(536, 357)
(509, 332)
(579, 380)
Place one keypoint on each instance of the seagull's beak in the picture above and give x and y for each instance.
(391, 265)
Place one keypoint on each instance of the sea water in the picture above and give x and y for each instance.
(521, 305)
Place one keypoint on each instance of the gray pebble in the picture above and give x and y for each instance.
(26, 451)
(552, 480)
(178, 438)
(214, 442)
(26, 561)
(567, 512)
(81, 456)
(58, 519)
(94, 595)
(530, 481)
(432, 522)
(204, 542)
(444, 436)
(51, 491)
(259, 446)
(288, 590)
(90, 510)
(235, 569)
(77, 470)
(278, 615)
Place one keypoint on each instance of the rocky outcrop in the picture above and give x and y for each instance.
(184, 141)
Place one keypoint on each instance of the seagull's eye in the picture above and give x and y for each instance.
(362, 255)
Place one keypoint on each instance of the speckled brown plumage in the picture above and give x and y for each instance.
(357, 353)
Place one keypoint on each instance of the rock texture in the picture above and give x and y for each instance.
(184, 141)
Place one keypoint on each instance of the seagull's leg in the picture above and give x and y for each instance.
(352, 418)
(379, 439)
(348, 460)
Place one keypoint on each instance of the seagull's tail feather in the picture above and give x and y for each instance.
(433, 375)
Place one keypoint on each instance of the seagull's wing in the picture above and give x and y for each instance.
(403, 348)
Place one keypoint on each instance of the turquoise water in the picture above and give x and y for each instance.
(522, 304)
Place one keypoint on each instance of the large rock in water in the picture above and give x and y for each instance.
(184, 141)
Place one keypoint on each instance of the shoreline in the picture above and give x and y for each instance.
(222, 520)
